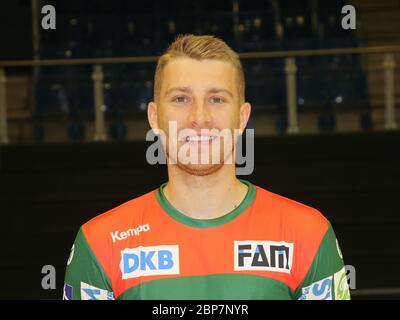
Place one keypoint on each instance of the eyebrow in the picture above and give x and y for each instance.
(182, 89)
(188, 90)
(217, 90)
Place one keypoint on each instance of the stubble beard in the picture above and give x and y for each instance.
(203, 169)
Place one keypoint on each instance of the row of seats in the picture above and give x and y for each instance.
(116, 36)
(126, 28)
(96, 29)
(321, 81)
(128, 91)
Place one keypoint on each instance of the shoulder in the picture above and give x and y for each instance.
(293, 215)
(126, 215)
(295, 223)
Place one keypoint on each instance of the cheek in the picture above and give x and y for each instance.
(171, 122)
(230, 120)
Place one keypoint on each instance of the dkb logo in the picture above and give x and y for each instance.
(149, 261)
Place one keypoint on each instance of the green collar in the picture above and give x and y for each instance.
(206, 223)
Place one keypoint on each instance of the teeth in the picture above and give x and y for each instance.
(199, 138)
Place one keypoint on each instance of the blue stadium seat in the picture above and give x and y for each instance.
(327, 122)
(366, 121)
(118, 131)
(76, 132)
(38, 133)
(281, 125)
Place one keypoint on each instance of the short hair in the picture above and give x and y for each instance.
(199, 48)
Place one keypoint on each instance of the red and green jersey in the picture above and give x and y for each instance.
(269, 247)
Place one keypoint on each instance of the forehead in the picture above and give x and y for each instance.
(198, 73)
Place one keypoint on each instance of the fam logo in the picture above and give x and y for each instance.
(333, 286)
(89, 292)
(149, 261)
(263, 256)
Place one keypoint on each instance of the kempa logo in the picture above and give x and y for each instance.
(263, 256)
(118, 236)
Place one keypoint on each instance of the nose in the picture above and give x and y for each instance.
(199, 115)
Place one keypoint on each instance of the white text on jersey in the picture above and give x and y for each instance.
(118, 236)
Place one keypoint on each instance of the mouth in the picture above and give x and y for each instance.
(200, 138)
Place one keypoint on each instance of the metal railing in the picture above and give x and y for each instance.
(388, 67)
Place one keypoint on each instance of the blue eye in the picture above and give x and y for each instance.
(181, 99)
(217, 100)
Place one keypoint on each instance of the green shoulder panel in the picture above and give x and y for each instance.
(326, 279)
(85, 279)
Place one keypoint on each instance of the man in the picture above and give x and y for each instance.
(204, 234)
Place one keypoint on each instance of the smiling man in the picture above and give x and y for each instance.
(205, 234)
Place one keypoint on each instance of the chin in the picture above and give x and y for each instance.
(205, 169)
(200, 169)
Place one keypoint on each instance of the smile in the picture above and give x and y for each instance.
(199, 138)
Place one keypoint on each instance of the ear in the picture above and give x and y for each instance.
(152, 115)
(245, 110)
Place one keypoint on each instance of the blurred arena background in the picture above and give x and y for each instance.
(73, 122)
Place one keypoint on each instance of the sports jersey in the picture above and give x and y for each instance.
(269, 247)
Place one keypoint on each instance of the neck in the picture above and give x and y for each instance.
(204, 197)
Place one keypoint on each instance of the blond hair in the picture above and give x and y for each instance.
(199, 48)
